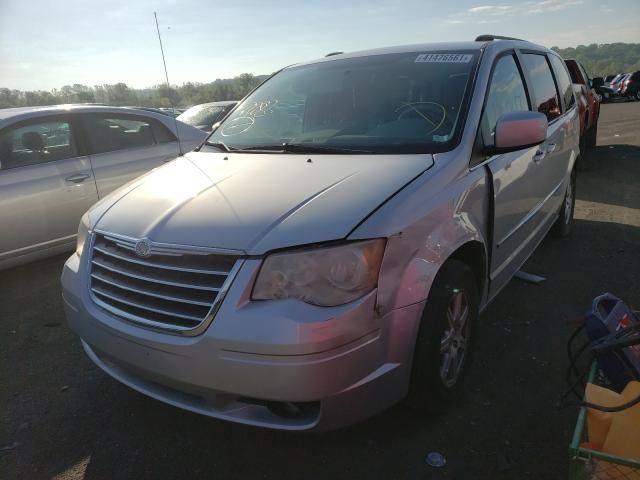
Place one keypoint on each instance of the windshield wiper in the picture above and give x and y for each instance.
(219, 145)
(311, 148)
(262, 148)
(287, 148)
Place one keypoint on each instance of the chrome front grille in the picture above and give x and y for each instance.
(170, 288)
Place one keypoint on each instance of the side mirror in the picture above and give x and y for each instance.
(519, 130)
(597, 82)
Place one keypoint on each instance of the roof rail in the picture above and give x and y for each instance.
(489, 38)
(333, 53)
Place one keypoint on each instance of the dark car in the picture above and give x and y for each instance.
(605, 92)
(205, 115)
(614, 80)
(631, 86)
(616, 83)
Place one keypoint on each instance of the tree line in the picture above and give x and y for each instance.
(120, 94)
(606, 59)
(598, 60)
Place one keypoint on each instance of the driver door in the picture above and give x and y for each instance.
(512, 173)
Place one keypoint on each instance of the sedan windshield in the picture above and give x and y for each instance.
(392, 103)
(201, 115)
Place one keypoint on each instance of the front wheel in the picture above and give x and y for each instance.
(562, 227)
(445, 338)
(637, 95)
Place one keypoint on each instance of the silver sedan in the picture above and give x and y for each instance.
(55, 162)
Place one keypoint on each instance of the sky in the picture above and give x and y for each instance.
(48, 44)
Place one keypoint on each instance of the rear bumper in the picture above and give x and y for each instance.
(273, 364)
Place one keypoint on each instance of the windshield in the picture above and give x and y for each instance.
(393, 103)
(201, 115)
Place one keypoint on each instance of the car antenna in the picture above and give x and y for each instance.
(166, 76)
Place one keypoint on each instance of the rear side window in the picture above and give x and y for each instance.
(506, 94)
(39, 142)
(109, 133)
(564, 82)
(544, 88)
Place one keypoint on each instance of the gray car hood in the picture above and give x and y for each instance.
(256, 202)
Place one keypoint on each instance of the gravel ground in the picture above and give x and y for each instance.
(61, 417)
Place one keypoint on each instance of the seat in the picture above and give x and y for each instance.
(145, 136)
(33, 141)
(36, 151)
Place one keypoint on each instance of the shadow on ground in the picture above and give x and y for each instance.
(611, 176)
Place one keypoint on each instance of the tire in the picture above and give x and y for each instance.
(562, 227)
(592, 136)
(445, 336)
(637, 95)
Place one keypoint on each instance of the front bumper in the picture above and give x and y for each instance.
(284, 364)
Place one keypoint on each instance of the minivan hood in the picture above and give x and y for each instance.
(257, 202)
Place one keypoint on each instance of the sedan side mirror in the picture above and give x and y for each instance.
(519, 130)
(597, 82)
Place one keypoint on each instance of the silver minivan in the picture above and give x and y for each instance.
(328, 250)
(55, 162)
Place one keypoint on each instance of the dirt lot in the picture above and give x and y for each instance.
(61, 417)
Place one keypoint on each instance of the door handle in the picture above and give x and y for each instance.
(551, 147)
(78, 178)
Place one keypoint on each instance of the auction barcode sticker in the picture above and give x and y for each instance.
(443, 58)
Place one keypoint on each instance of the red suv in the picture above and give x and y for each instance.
(588, 104)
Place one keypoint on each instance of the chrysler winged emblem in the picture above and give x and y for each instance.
(143, 248)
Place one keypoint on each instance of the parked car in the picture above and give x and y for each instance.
(618, 82)
(631, 86)
(615, 79)
(205, 115)
(588, 104)
(55, 162)
(149, 109)
(605, 93)
(308, 267)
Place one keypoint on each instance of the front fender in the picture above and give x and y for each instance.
(425, 224)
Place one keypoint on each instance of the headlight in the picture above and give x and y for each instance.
(83, 233)
(324, 276)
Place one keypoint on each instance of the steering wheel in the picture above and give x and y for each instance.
(425, 110)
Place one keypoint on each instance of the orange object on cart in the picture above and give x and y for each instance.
(615, 433)
(599, 423)
(623, 438)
